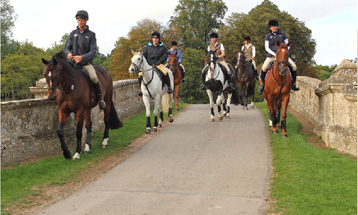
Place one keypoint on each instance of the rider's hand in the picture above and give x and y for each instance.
(69, 56)
(77, 58)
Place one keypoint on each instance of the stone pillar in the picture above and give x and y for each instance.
(337, 122)
(41, 90)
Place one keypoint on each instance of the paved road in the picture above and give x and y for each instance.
(192, 166)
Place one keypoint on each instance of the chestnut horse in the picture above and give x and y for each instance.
(174, 67)
(75, 94)
(278, 85)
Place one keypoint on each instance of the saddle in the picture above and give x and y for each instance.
(273, 62)
(85, 74)
(160, 74)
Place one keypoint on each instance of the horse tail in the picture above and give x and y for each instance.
(235, 98)
(114, 122)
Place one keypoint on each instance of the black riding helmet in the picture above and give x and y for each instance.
(214, 35)
(273, 22)
(174, 43)
(247, 38)
(82, 14)
(155, 35)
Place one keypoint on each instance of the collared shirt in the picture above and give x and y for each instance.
(250, 49)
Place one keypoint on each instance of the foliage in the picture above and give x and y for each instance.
(21, 70)
(308, 179)
(8, 18)
(190, 92)
(137, 38)
(57, 47)
(196, 19)
(255, 25)
(324, 72)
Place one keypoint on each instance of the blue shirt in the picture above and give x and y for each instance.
(179, 56)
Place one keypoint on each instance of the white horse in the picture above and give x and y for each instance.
(152, 87)
(215, 82)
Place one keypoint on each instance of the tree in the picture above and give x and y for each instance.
(255, 25)
(21, 70)
(196, 19)
(57, 47)
(8, 19)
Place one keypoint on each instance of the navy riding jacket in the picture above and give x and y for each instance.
(272, 38)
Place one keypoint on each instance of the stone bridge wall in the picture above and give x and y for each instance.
(331, 105)
(28, 127)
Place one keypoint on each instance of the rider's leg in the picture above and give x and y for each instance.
(166, 78)
(264, 69)
(255, 69)
(181, 68)
(228, 75)
(97, 85)
(294, 74)
(140, 83)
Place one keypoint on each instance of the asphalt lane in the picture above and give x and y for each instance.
(192, 166)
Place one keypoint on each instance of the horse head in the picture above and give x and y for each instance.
(137, 62)
(211, 61)
(282, 57)
(172, 61)
(242, 59)
(51, 74)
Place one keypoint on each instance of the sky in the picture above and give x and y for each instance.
(42, 22)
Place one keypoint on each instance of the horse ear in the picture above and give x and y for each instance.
(289, 43)
(133, 53)
(141, 51)
(176, 53)
(54, 61)
(278, 43)
(44, 61)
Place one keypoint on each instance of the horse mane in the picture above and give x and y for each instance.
(62, 57)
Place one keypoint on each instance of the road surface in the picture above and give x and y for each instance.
(192, 166)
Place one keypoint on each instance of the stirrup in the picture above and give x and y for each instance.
(140, 93)
(294, 88)
(202, 87)
(169, 91)
(102, 104)
(232, 86)
(183, 81)
(261, 88)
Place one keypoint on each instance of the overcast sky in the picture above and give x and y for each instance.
(43, 22)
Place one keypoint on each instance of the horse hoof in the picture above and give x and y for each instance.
(171, 119)
(154, 129)
(160, 125)
(67, 154)
(76, 156)
(104, 146)
(274, 132)
(147, 130)
(227, 117)
(220, 118)
(88, 152)
(212, 120)
(284, 135)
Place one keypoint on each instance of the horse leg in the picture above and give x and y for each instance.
(228, 102)
(170, 113)
(177, 88)
(89, 131)
(246, 96)
(107, 113)
(220, 100)
(147, 112)
(80, 119)
(224, 109)
(157, 104)
(272, 114)
(210, 94)
(284, 116)
(63, 118)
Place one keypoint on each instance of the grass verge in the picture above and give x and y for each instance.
(22, 181)
(309, 180)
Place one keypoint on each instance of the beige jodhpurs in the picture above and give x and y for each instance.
(226, 66)
(92, 73)
(270, 59)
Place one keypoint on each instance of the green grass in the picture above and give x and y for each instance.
(307, 179)
(18, 181)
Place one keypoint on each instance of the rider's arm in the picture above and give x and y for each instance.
(253, 51)
(180, 56)
(267, 48)
(93, 49)
(222, 51)
(68, 47)
(164, 55)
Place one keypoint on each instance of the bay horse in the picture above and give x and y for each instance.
(278, 85)
(152, 88)
(215, 82)
(245, 81)
(75, 94)
(174, 67)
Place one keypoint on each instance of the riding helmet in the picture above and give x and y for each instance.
(247, 38)
(155, 35)
(174, 43)
(273, 22)
(214, 35)
(82, 14)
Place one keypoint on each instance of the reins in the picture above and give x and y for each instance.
(62, 84)
(283, 83)
(137, 68)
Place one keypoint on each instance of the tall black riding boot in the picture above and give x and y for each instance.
(167, 82)
(140, 82)
(202, 86)
(231, 85)
(257, 74)
(294, 76)
(182, 74)
(262, 81)
(98, 92)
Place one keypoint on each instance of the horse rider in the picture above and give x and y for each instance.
(271, 48)
(179, 57)
(250, 53)
(81, 47)
(156, 54)
(220, 53)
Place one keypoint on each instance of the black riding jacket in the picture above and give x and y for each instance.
(84, 44)
(155, 53)
(272, 38)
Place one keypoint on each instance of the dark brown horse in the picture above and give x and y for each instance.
(75, 94)
(245, 81)
(174, 67)
(278, 85)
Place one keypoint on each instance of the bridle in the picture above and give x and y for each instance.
(282, 71)
(137, 68)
